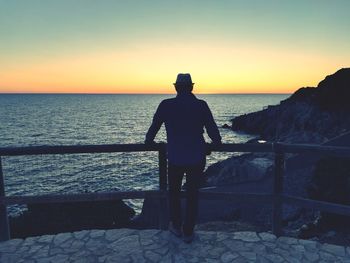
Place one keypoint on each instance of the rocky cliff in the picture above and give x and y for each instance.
(310, 115)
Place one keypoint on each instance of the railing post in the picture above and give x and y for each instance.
(163, 168)
(4, 224)
(277, 191)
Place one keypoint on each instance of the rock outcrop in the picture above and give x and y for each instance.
(235, 170)
(53, 218)
(310, 115)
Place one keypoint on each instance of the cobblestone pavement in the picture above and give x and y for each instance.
(127, 245)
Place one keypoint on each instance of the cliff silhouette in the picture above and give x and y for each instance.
(310, 115)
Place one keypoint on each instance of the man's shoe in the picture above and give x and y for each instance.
(175, 230)
(188, 239)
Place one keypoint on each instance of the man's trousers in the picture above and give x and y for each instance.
(194, 177)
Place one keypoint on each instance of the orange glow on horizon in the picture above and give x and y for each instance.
(215, 68)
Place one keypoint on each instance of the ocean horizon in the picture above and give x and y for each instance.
(75, 119)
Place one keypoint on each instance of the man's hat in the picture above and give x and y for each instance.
(184, 78)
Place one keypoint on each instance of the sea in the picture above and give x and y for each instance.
(80, 119)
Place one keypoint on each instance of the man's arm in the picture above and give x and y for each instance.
(156, 124)
(210, 125)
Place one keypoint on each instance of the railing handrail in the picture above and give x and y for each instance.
(277, 198)
(76, 149)
(139, 147)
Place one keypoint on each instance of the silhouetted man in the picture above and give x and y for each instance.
(184, 116)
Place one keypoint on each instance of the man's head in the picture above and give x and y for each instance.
(183, 83)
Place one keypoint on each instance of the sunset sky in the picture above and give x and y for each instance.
(228, 46)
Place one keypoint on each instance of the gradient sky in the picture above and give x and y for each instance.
(107, 46)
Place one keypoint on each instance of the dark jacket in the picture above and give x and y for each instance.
(184, 116)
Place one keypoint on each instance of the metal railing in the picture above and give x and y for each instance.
(276, 198)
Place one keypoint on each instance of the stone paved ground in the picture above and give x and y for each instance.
(127, 245)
